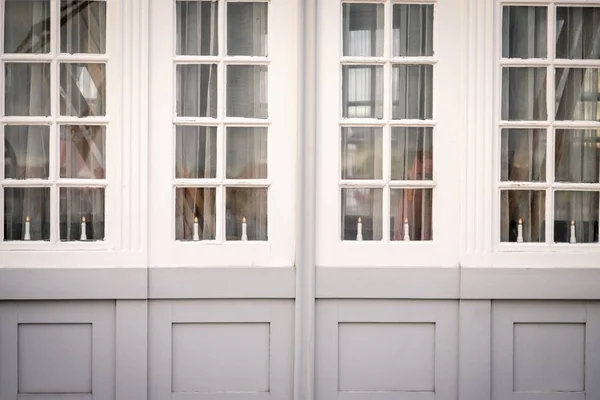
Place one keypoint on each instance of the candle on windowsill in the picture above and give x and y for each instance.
(83, 232)
(196, 235)
(359, 235)
(27, 235)
(406, 230)
(244, 229)
(520, 231)
(573, 238)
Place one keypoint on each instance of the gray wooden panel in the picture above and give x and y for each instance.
(475, 346)
(592, 351)
(217, 349)
(375, 327)
(131, 350)
(61, 396)
(54, 354)
(541, 350)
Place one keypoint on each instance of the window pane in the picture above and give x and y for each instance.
(413, 30)
(577, 32)
(362, 153)
(362, 91)
(577, 157)
(192, 203)
(196, 152)
(197, 28)
(81, 214)
(27, 89)
(412, 91)
(362, 214)
(83, 26)
(249, 205)
(247, 91)
(26, 26)
(22, 204)
(524, 94)
(524, 32)
(411, 210)
(83, 89)
(577, 94)
(247, 28)
(26, 152)
(246, 153)
(528, 206)
(197, 90)
(412, 153)
(523, 155)
(82, 151)
(363, 30)
(582, 209)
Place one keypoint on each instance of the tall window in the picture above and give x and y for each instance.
(54, 124)
(549, 136)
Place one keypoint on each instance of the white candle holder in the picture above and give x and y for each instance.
(359, 235)
(244, 229)
(27, 235)
(196, 236)
(406, 230)
(520, 231)
(83, 227)
(572, 237)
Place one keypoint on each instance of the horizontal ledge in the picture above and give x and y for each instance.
(72, 283)
(389, 283)
(530, 283)
(225, 282)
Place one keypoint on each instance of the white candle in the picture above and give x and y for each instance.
(573, 239)
(520, 231)
(196, 236)
(406, 230)
(83, 233)
(359, 236)
(27, 235)
(244, 229)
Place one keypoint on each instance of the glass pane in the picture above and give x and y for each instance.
(412, 91)
(524, 94)
(83, 90)
(363, 30)
(411, 212)
(577, 94)
(413, 30)
(83, 26)
(524, 32)
(26, 152)
(412, 153)
(523, 155)
(197, 28)
(196, 152)
(578, 32)
(246, 153)
(27, 26)
(362, 91)
(362, 214)
(197, 90)
(247, 91)
(577, 155)
(195, 213)
(527, 206)
(246, 213)
(247, 28)
(576, 217)
(27, 89)
(82, 151)
(81, 213)
(26, 213)
(362, 153)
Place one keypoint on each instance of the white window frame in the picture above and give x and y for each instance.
(125, 208)
(283, 89)
(449, 103)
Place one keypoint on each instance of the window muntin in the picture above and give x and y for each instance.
(54, 121)
(549, 125)
(387, 125)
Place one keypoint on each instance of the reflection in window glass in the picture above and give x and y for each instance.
(247, 152)
(363, 29)
(82, 89)
(196, 152)
(412, 153)
(82, 151)
(577, 155)
(412, 91)
(362, 91)
(27, 89)
(196, 90)
(577, 94)
(26, 213)
(524, 94)
(247, 29)
(411, 213)
(197, 28)
(522, 215)
(246, 213)
(26, 151)
(524, 32)
(247, 91)
(576, 217)
(26, 26)
(81, 213)
(577, 32)
(362, 214)
(362, 153)
(83, 27)
(413, 30)
(195, 215)
(523, 155)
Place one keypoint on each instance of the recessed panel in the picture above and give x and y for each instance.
(386, 357)
(55, 358)
(220, 357)
(549, 357)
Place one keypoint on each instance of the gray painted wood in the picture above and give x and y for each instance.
(592, 354)
(131, 368)
(475, 349)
